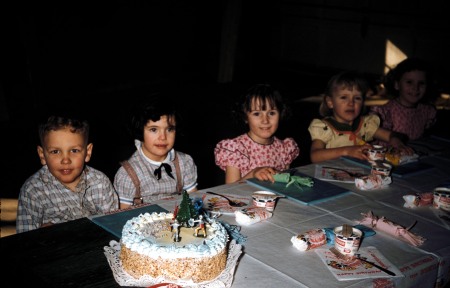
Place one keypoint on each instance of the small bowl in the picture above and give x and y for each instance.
(265, 199)
(441, 198)
(376, 153)
(383, 169)
(348, 246)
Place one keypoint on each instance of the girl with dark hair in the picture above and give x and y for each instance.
(410, 110)
(257, 153)
(155, 170)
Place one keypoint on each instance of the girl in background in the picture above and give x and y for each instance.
(257, 153)
(344, 131)
(410, 111)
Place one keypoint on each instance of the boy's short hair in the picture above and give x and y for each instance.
(55, 123)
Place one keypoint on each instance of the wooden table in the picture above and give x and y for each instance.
(63, 255)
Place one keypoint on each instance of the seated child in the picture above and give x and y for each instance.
(410, 110)
(257, 153)
(344, 131)
(64, 188)
(155, 170)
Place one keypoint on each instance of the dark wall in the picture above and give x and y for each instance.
(99, 57)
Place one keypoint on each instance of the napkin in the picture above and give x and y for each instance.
(293, 179)
(252, 215)
(310, 239)
(371, 182)
(391, 228)
(418, 200)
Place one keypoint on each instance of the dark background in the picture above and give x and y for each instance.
(100, 57)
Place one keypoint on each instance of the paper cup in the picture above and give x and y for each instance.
(265, 199)
(376, 153)
(348, 246)
(383, 169)
(441, 198)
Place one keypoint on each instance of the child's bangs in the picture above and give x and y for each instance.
(262, 103)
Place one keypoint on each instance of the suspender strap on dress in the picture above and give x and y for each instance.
(137, 200)
(137, 196)
(177, 170)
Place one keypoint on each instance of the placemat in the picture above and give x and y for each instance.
(217, 203)
(114, 222)
(320, 191)
(355, 269)
(337, 174)
(430, 145)
(399, 171)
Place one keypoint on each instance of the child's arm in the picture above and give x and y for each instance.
(320, 153)
(233, 174)
(264, 173)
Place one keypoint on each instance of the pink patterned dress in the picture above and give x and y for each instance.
(245, 154)
(411, 121)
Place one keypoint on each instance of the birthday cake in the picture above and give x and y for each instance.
(155, 245)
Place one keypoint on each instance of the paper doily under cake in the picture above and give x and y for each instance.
(225, 279)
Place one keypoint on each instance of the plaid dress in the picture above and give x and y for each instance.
(151, 188)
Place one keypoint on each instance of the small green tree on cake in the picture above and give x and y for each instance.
(184, 212)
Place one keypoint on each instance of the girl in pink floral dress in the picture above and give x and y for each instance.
(410, 111)
(257, 153)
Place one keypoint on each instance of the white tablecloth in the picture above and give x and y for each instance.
(270, 260)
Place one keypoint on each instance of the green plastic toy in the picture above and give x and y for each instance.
(298, 181)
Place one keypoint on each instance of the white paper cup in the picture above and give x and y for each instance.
(265, 199)
(441, 198)
(376, 153)
(383, 169)
(348, 246)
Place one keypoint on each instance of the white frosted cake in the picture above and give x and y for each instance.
(148, 247)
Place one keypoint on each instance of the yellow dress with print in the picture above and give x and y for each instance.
(335, 134)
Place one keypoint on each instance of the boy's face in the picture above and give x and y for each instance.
(65, 153)
(159, 138)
